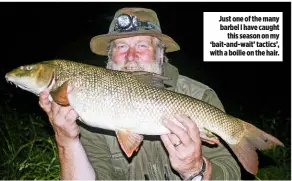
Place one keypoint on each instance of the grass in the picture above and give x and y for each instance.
(281, 168)
(28, 149)
(275, 164)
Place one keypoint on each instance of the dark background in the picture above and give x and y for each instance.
(31, 32)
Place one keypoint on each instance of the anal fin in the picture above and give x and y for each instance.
(129, 141)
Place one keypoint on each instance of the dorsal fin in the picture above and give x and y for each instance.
(152, 79)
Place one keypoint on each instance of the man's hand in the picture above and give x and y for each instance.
(184, 147)
(63, 120)
(73, 159)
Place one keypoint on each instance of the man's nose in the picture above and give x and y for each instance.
(131, 55)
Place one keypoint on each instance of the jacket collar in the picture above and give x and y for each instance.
(171, 72)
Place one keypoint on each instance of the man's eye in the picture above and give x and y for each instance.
(142, 46)
(122, 46)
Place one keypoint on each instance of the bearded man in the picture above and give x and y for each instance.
(135, 43)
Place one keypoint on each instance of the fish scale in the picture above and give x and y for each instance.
(134, 104)
(161, 100)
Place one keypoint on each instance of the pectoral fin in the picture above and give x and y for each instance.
(129, 141)
(60, 95)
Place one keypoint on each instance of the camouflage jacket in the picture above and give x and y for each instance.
(151, 161)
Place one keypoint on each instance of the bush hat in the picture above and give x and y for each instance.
(129, 22)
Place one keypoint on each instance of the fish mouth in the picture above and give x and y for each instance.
(10, 78)
(17, 85)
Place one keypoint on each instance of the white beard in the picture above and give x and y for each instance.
(154, 67)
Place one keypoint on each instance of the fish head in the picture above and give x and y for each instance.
(33, 77)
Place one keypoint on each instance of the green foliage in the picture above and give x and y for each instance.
(28, 150)
(276, 162)
(281, 169)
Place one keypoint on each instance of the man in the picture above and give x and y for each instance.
(134, 43)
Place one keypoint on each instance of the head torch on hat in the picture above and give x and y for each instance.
(127, 23)
(130, 22)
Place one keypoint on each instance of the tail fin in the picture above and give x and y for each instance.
(253, 139)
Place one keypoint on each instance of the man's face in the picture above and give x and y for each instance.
(136, 53)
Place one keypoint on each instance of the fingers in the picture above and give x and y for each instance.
(65, 121)
(71, 116)
(66, 115)
(191, 127)
(186, 157)
(181, 133)
(57, 113)
(44, 101)
(168, 145)
(55, 109)
(173, 138)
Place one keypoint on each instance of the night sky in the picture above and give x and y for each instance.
(33, 32)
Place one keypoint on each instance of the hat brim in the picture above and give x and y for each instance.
(99, 44)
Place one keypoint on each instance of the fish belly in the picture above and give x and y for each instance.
(112, 114)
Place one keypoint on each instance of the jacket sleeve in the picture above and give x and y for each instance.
(224, 166)
(98, 153)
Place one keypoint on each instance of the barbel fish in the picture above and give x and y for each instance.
(134, 104)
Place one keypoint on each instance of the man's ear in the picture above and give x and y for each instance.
(164, 58)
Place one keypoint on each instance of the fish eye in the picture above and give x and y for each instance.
(29, 67)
